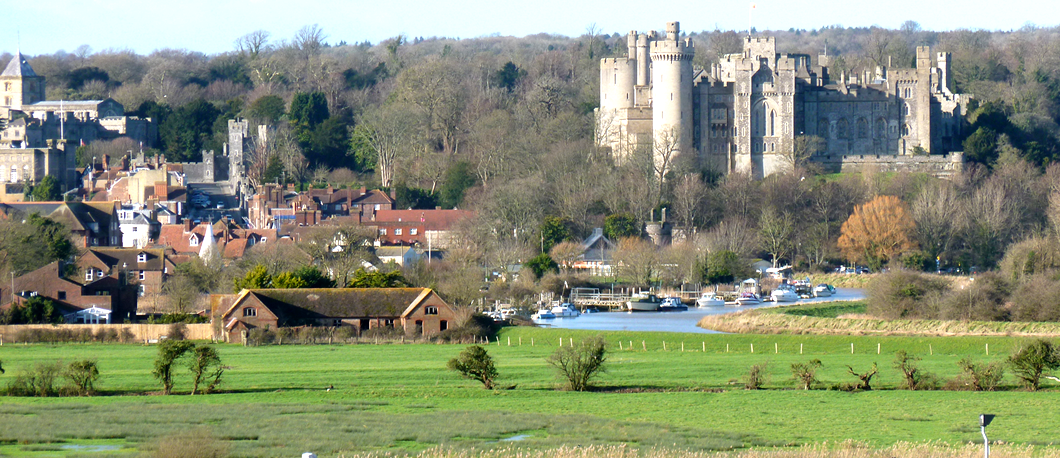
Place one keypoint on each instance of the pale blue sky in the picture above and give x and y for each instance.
(211, 26)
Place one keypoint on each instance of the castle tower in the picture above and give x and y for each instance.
(19, 85)
(671, 93)
(946, 78)
(923, 97)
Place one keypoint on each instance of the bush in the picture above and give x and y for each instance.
(756, 377)
(168, 353)
(197, 443)
(805, 374)
(260, 336)
(177, 331)
(475, 364)
(981, 300)
(979, 376)
(913, 378)
(579, 365)
(902, 294)
(82, 376)
(205, 365)
(38, 381)
(864, 382)
(1032, 361)
(1035, 299)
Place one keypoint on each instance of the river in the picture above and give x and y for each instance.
(673, 321)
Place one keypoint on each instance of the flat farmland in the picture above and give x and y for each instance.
(676, 391)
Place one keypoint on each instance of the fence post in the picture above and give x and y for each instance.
(561, 341)
(800, 349)
(726, 348)
(682, 347)
(620, 345)
(643, 345)
(531, 341)
(877, 348)
(704, 347)
(752, 348)
(930, 350)
(509, 341)
(571, 342)
(664, 345)
(776, 348)
(987, 349)
(852, 348)
(520, 341)
(631, 345)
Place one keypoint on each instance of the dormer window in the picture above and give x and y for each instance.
(89, 275)
(194, 240)
(250, 311)
(142, 257)
(431, 310)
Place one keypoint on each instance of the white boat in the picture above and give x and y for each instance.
(784, 294)
(824, 290)
(709, 299)
(672, 304)
(565, 310)
(642, 302)
(748, 298)
(543, 315)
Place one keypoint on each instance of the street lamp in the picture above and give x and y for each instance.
(984, 421)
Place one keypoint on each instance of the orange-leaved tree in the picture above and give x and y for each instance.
(877, 231)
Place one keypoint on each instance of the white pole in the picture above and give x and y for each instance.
(987, 349)
(877, 348)
(752, 348)
(986, 443)
(800, 349)
(776, 348)
(852, 348)
(704, 344)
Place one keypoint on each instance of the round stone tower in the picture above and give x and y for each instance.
(671, 92)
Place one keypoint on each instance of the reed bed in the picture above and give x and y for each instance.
(763, 322)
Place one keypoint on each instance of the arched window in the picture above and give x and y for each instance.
(772, 126)
(905, 109)
(822, 128)
(842, 130)
(250, 311)
(193, 240)
(905, 129)
(863, 128)
(881, 128)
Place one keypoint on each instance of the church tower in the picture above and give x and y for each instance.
(19, 85)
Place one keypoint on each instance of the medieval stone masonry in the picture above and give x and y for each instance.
(745, 113)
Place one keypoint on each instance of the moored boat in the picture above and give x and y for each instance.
(784, 293)
(709, 299)
(565, 310)
(642, 302)
(748, 298)
(672, 304)
(543, 315)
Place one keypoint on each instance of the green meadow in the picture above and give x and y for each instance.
(400, 398)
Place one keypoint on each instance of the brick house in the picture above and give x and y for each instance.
(101, 299)
(146, 269)
(414, 310)
(91, 223)
(231, 240)
(416, 227)
(276, 205)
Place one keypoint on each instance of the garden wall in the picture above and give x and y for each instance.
(140, 332)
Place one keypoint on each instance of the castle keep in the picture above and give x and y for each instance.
(745, 112)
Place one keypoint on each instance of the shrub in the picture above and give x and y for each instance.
(913, 378)
(579, 365)
(981, 300)
(204, 365)
(756, 377)
(82, 376)
(979, 376)
(168, 353)
(37, 381)
(864, 382)
(903, 294)
(805, 374)
(1030, 362)
(260, 336)
(475, 364)
(177, 331)
(1035, 299)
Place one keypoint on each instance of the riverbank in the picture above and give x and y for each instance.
(787, 320)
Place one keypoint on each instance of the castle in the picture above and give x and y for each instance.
(747, 112)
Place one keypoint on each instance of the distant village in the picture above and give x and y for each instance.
(134, 219)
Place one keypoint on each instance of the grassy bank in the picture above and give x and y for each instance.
(825, 320)
(400, 398)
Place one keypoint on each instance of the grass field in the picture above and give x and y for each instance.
(400, 398)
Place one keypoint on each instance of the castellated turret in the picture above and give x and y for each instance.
(671, 73)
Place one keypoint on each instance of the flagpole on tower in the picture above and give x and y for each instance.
(749, 11)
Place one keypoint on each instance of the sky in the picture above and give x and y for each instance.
(211, 26)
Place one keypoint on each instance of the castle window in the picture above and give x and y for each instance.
(250, 311)
(905, 109)
(822, 128)
(863, 128)
(881, 128)
(842, 131)
(905, 129)
(771, 127)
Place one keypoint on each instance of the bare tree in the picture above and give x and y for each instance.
(637, 259)
(775, 231)
(688, 198)
(284, 143)
(309, 40)
(566, 253)
(732, 234)
(936, 212)
(253, 43)
(83, 52)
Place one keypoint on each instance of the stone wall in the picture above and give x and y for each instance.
(141, 332)
(937, 165)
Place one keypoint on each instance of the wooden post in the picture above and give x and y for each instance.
(520, 341)
(726, 348)
(987, 349)
(682, 347)
(643, 345)
(561, 341)
(620, 345)
(930, 350)
(631, 345)
(571, 342)
(800, 349)
(664, 345)
(704, 347)
(509, 341)
(852, 348)
(776, 348)
(877, 348)
(531, 341)
(752, 348)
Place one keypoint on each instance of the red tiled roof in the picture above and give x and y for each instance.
(433, 220)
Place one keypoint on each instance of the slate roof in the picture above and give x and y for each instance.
(314, 303)
(18, 66)
(116, 257)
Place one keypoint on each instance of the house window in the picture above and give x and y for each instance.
(194, 241)
(134, 230)
(431, 310)
(397, 231)
(142, 257)
(388, 322)
(443, 325)
(382, 231)
(62, 295)
(263, 239)
(143, 290)
(413, 231)
(88, 275)
(99, 273)
(143, 275)
(250, 311)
